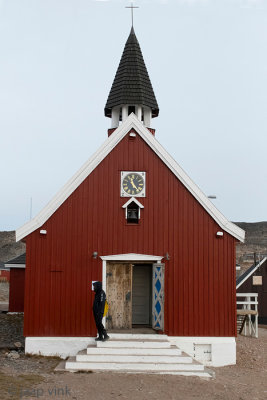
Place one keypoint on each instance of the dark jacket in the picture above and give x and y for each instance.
(100, 299)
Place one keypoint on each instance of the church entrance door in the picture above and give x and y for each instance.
(119, 295)
(135, 292)
(142, 299)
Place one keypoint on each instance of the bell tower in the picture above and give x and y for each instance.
(131, 91)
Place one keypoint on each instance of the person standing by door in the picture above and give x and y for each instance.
(98, 311)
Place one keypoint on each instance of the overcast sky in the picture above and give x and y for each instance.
(207, 60)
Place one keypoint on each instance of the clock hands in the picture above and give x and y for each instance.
(132, 183)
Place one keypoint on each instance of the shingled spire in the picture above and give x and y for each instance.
(131, 90)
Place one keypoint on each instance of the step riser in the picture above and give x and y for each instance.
(198, 374)
(133, 359)
(136, 345)
(134, 336)
(148, 352)
(132, 367)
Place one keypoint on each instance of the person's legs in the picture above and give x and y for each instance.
(99, 325)
(103, 331)
(106, 337)
(100, 328)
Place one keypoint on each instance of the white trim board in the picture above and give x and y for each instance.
(131, 257)
(15, 265)
(110, 143)
(133, 199)
(251, 272)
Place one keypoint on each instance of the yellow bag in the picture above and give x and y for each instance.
(105, 309)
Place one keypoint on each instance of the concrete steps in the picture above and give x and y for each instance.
(136, 354)
(137, 344)
(133, 358)
(173, 350)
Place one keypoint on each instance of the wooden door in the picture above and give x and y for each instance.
(119, 296)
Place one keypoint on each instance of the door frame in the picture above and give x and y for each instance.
(131, 258)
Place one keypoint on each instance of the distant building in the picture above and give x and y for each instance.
(17, 283)
(254, 280)
(4, 273)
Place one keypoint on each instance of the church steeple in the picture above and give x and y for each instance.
(131, 90)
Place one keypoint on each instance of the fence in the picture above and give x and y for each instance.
(247, 311)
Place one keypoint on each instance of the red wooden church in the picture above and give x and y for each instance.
(133, 219)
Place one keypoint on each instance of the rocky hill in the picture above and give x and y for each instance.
(9, 248)
(256, 242)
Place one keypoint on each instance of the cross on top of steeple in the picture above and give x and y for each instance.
(132, 7)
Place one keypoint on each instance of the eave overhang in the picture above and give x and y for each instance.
(111, 142)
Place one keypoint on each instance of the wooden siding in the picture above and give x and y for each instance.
(16, 290)
(4, 275)
(200, 275)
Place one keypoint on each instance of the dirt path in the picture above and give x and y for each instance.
(34, 377)
(245, 381)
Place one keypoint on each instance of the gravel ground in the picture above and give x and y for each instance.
(32, 377)
(11, 330)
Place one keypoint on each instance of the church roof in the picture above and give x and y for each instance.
(17, 261)
(111, 142)
(132, 84)
(241, 279)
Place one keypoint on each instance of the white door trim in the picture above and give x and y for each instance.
(130, 257)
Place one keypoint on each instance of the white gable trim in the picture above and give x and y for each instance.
(104, 150)
(251, 272)
(133, 199)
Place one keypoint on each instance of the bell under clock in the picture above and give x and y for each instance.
(133, 184)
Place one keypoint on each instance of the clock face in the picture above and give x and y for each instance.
(133, 184)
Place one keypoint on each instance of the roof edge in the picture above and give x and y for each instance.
(247, 275)
(109, 144)
(7, 266)
(75, 181)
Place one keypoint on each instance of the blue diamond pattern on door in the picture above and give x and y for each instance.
(158, 297)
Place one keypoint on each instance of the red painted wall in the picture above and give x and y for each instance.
(16, 289)
(4, 275)
(200, 276)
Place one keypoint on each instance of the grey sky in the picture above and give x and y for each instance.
(207, 60)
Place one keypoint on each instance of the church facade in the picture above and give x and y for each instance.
(133, 219)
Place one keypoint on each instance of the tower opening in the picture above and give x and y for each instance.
(131, 109)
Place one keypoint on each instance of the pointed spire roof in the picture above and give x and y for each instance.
(132, 84)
